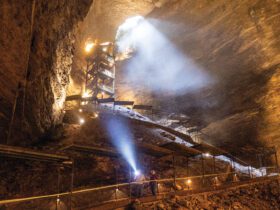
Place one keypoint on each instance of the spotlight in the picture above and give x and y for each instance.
(85, 95)
(207, 154)
(80, 110)
(82, 121)
(89, 46)
(136, 172)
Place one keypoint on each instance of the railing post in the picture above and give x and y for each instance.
(276, 160)
(249, 171)
(58, 188)
(72, 184)
(129, 184)
(187, 166)
(116, 174)
(174, 171)
(203, 170)
(214, 164)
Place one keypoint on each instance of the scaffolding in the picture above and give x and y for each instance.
(100, 72)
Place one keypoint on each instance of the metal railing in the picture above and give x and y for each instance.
(127, 191)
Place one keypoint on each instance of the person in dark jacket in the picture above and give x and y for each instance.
(153, 182)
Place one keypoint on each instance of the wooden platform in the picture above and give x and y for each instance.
(23, 153)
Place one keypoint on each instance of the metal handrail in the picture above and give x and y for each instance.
(57, 195)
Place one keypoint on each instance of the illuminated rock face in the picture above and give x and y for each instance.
(237, 44)
(44, 57)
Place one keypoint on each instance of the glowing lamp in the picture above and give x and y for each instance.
(89, 46)
(189, 181)
(85, 95)
(57, 200)
(136, 172)
(80, 110)
(207, 155)
(82, 121)
(96, 115)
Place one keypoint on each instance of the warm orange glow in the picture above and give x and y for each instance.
(82, 121)
(207, 155)
(85, 95)
(89, 46)
(80, 110)
(189, 181)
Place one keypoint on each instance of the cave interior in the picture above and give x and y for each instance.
(95, 92)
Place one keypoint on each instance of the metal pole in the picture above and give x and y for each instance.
(187, 166)
(130, 184)
(28, 58)
(174, 171)
(116, 174)
(249, 171)
(276, 161)
(13, 114)
(214, 164)
(72, 184)
(203, 170)
(58, 188)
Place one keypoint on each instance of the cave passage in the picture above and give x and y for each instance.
(141, 104)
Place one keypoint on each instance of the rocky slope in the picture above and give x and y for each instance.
(262, 195)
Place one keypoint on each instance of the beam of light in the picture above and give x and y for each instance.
(121, 138)
(156, 63)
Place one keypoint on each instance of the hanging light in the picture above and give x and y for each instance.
(82, 121)
(89, 46)
(207, 154)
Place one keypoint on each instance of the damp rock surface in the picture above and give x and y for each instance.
(37, 39)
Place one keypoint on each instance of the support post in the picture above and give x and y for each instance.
(130, 189)
(58, 188)
(174, 171)
(72, 184)
(203, 170)
(214, 164)
(276, 161)
(116, 174)
(249, 171)
(187, 166)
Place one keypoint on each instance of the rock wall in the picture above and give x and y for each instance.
(237, 44)
(38, 43)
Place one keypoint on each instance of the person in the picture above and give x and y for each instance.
(153, 182)
(139, 178)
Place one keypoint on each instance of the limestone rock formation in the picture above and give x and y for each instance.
(37, 40)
